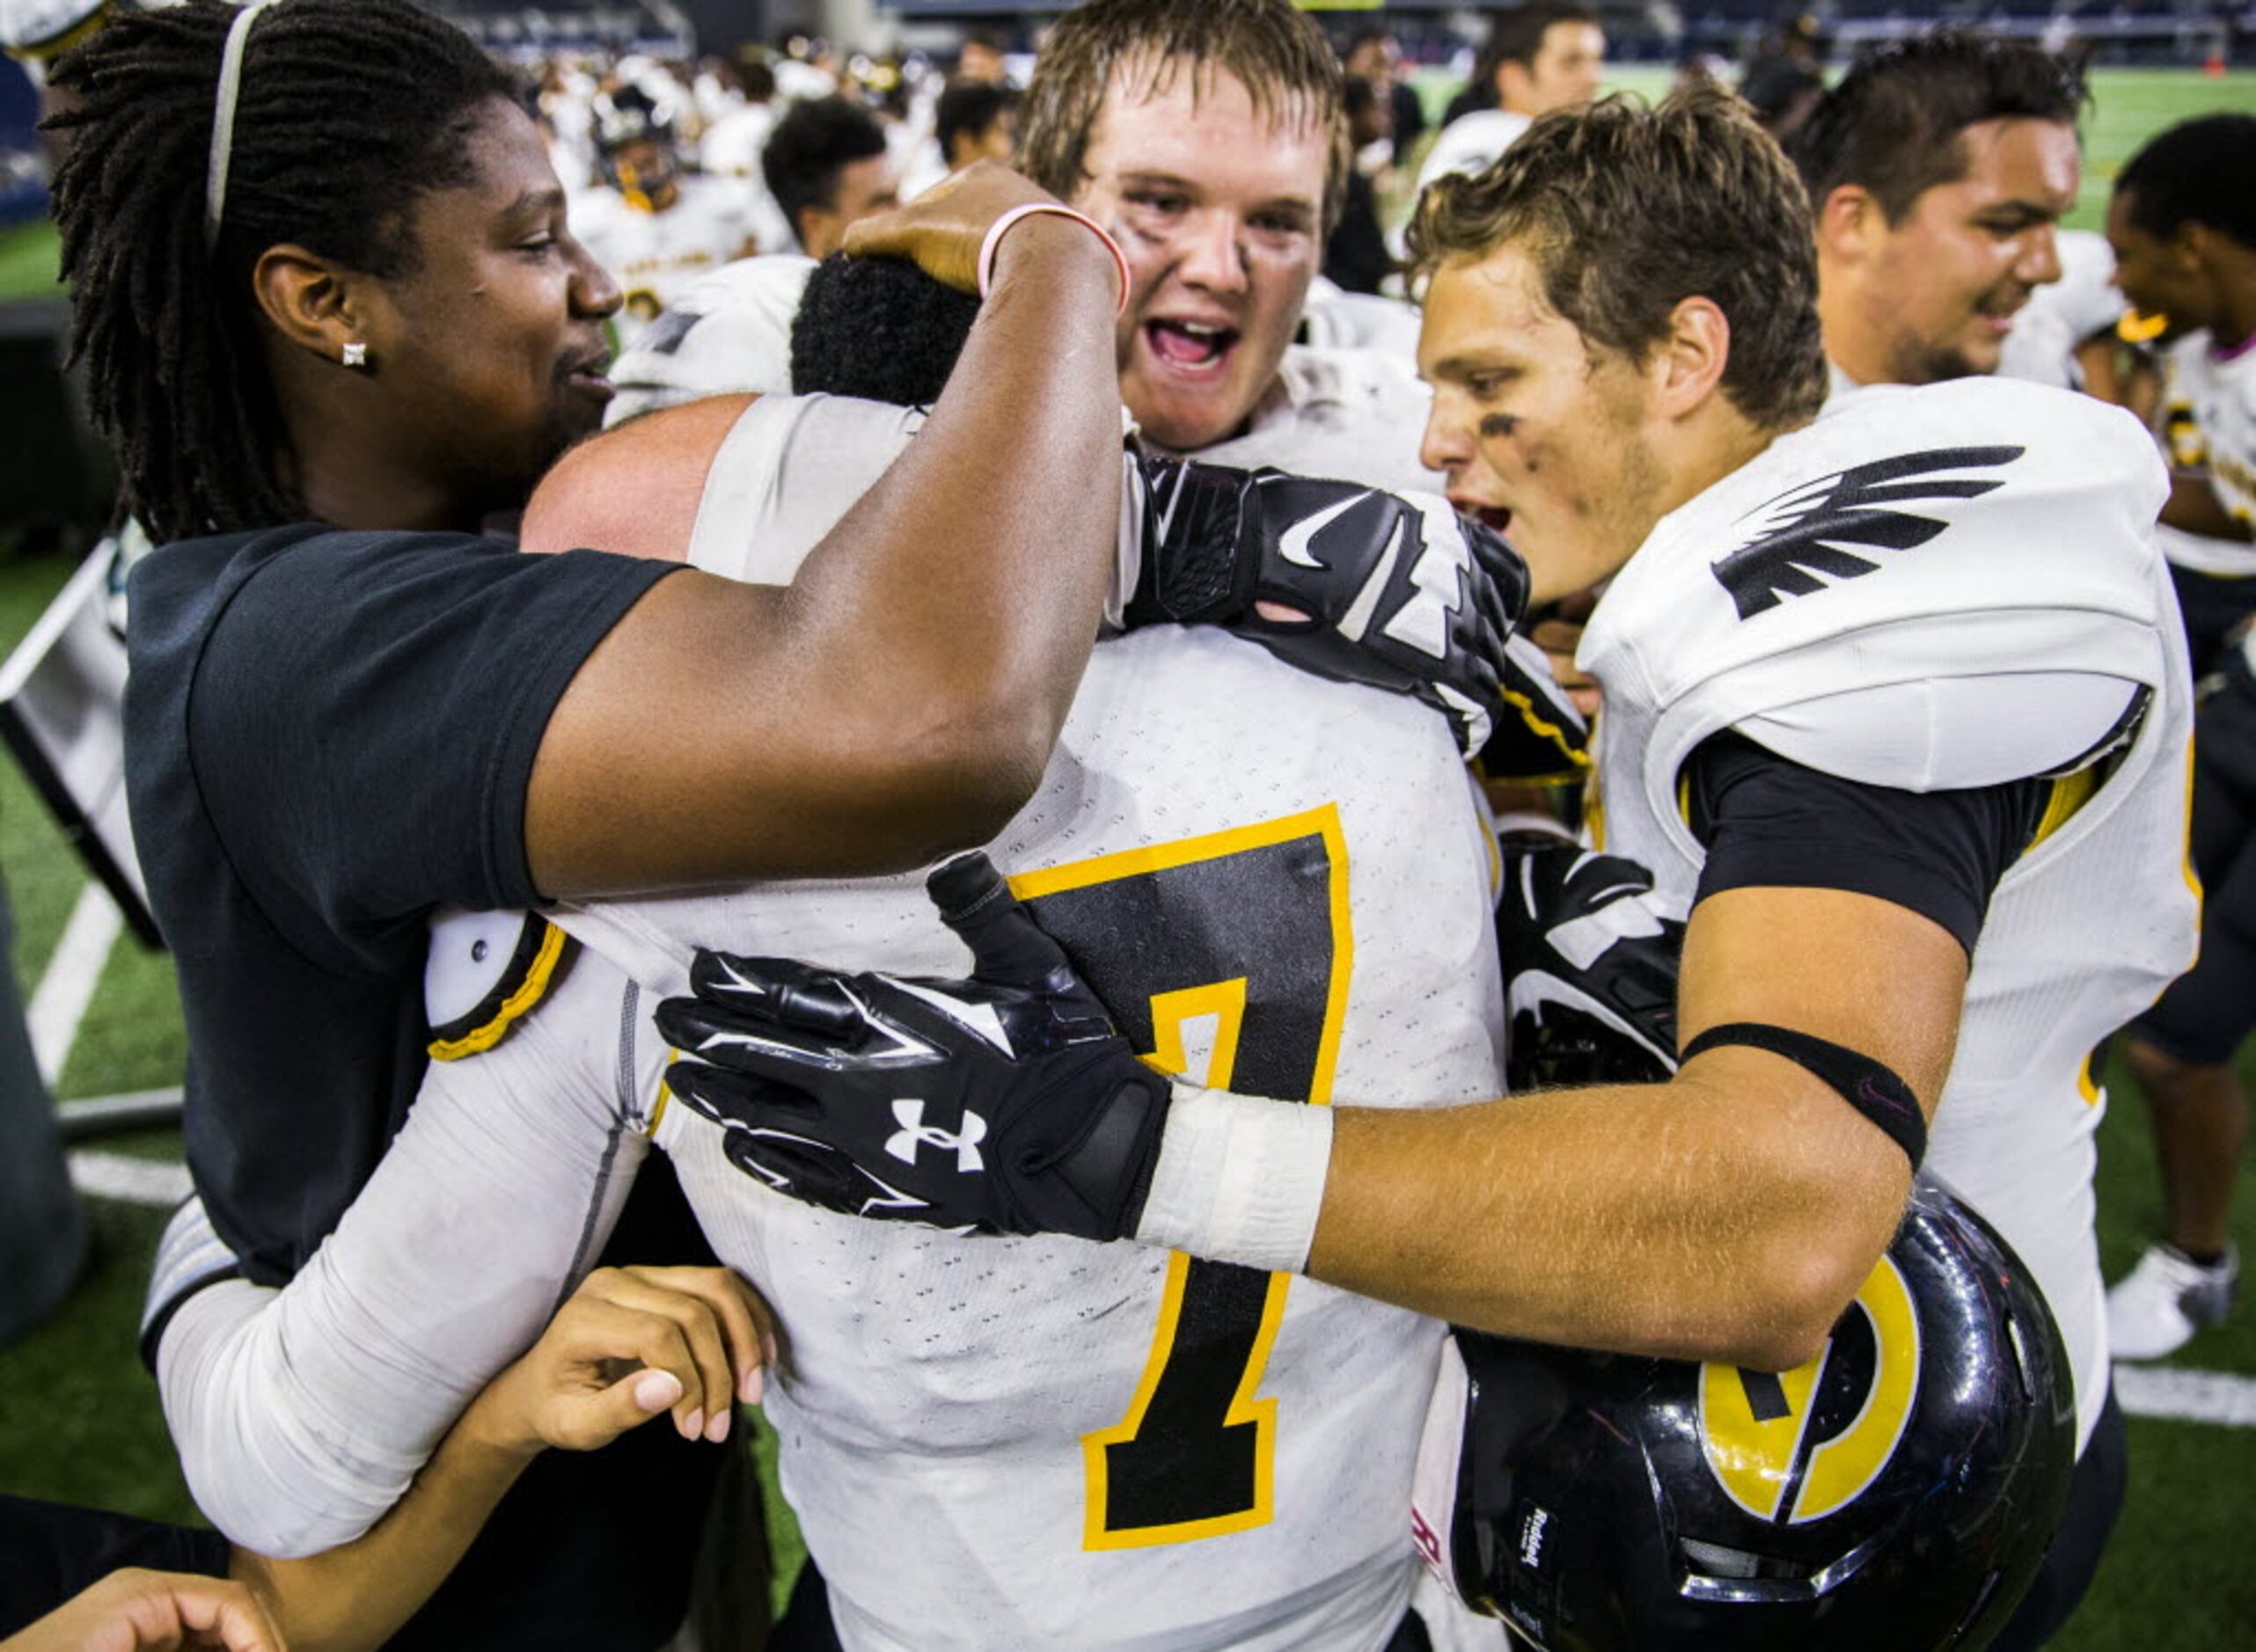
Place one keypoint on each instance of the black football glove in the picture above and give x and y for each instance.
(1589, 967)
(1391, 591)
(1540, 736)
(1003, 1104)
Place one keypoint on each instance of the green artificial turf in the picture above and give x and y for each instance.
(30, 261)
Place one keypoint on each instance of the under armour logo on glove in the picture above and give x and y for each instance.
(915, 1133)
(1352, 583)
(831, 1087)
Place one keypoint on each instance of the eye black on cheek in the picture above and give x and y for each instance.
(1494, 425)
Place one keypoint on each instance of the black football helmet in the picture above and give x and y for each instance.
(647, 175)
(1897, 1493)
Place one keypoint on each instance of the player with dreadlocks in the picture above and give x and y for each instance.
(333, 319)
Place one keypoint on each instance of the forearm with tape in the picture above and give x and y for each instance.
(1238, 1180)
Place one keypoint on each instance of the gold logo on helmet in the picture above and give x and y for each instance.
(1755, 1428)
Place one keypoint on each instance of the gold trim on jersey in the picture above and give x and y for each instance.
(1578, 758)
(1225, 1001)
(2185, 864)
(2068, 793)
(527, 979)
(45, 52)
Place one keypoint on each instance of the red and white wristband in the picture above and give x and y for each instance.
(1003, 225)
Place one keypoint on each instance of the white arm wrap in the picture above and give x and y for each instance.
(1238, 1180)
(301, 1415)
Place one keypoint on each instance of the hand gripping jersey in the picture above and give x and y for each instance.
(1931, 588)
(1276, 882)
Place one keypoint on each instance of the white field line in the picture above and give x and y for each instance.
(128, 1180)
(68, 986)
(2187, 1396)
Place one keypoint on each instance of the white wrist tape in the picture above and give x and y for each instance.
(1238, 1180)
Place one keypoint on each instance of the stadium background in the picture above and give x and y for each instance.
(78, 1417)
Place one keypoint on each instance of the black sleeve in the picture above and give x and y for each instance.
(365, 713)
(1768, 822)
(50, 1553)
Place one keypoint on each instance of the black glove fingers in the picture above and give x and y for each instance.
(728, 1096)
(1500, 569)
(804, 1169)
(1008, 945)
(752, 1044)
(754, 987)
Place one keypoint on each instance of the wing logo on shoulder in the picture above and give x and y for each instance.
(1798, 540)
(1805, 1444)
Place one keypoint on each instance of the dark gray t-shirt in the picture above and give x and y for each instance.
(328, 733)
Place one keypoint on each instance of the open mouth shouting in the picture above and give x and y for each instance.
(1190, 348)
(1495, 517)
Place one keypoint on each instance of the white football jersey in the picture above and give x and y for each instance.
(2220, 386)
(728, 335)
(2185, 367)
(1471, 143)
(2061, 315)
(1350, 414)
(1031, 1442)
(2218, 389)
(1333, 318)
(1930, 589)
(656, 256)
(1277, 882)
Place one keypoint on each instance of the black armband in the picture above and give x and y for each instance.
(1859, 1080)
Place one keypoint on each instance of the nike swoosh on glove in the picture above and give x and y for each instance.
(1390, 590)
(1001, 1104)
(1590, 966)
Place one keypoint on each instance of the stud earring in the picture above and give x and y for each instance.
(356, 354)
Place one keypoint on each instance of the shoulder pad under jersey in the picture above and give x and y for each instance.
(1949, 734)
(483, 972)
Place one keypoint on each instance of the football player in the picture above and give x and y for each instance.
(827, 166)
(1030, 1446)
(653, 228)
(1938, 170)
(2185, 238)
(1880, 686)
(1541, 57)
(1212, 141)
